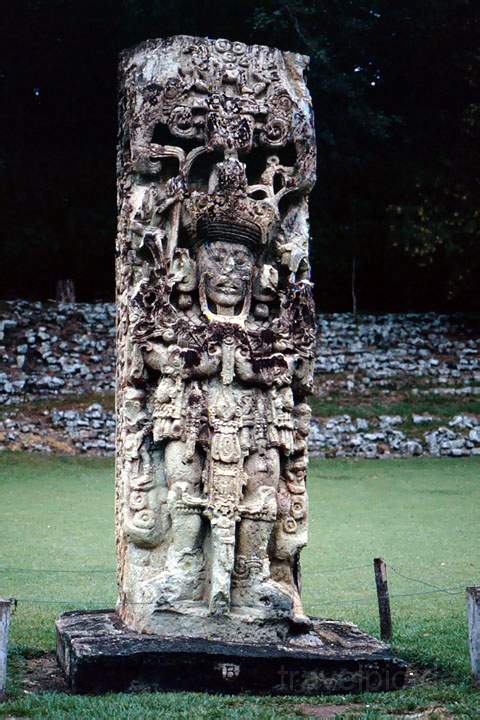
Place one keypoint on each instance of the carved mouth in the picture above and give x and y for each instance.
(226, 286)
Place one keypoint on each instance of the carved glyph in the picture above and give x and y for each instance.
(215, 331)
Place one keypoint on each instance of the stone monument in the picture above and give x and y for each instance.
(215, 339)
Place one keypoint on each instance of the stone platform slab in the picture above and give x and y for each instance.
(99, 654)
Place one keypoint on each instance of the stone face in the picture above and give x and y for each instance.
(99, 654)
(215, 333)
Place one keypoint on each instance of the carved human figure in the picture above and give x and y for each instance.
(215, 333)
(241, 470)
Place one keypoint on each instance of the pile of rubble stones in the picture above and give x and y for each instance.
(428, 353)
(49, 350)
(61, 353)
(92, 431)
(71, 432)
(384, 436)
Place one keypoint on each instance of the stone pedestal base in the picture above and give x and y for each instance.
(99, 654)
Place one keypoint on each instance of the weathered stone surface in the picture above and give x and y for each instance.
(99, 654)
(215, 333)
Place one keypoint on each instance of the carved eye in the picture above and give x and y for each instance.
(241, 258)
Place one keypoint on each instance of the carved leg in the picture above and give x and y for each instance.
(253, 586)
(223, 556)
(183, 576)
(282, 572)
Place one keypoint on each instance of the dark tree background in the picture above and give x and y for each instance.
(395, 214)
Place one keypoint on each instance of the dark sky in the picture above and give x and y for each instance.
(58, 127)
(59, 124)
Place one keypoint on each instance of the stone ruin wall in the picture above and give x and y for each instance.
(63, 357)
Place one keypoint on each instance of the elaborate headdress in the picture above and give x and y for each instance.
(231, 218)
(210, 230)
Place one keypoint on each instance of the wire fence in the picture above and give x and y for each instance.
(364, 599)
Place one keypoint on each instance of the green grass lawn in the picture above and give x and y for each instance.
(420, 514)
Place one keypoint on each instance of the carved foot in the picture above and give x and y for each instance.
(182, 579)
(301, 621)
(298, 619)
(219, 604)
(265, 596)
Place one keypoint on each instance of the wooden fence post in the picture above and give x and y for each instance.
(380, 568)
(5, 614)
(473, 609)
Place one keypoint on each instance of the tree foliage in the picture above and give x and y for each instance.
(395, 90)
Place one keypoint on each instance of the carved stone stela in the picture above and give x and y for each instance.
(215, 336)
(215, 330)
